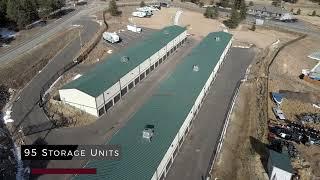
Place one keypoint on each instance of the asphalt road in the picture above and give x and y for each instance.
(49, 31)
(26, 111)
(194, 157)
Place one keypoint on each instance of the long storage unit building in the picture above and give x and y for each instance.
(99, 89)
(152, 137)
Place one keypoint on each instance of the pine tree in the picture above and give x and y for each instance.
(299, 11)
(224, 3)
(234, 19)
(113, 8)
(314, 13)
(243, 10)
(142, 4)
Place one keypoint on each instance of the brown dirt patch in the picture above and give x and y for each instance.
(159, 20)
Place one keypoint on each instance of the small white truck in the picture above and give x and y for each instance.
(111, 37)
(134, 28)
(139, 14)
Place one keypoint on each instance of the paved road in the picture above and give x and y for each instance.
(194, 157)
(102, 130)
(26, 112)
(50, 31)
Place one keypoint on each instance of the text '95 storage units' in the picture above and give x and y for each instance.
(98, 90)
(152, 137)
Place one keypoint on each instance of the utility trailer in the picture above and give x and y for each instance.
(139, 14)
(134, 28)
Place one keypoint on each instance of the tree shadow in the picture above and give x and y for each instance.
(37, 163)
(261, 149)
(61, 13)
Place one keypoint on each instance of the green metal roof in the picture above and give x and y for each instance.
(166, 110)
(281, 160)
(104, 75)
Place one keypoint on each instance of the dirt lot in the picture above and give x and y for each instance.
(29, 64)
(284, 77)
(202, 26)
(289, 63)
(160, 19)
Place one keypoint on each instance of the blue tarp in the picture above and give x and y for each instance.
(277, 97)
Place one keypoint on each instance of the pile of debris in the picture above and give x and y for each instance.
(295, 132)
(279, 145)
(309, 118)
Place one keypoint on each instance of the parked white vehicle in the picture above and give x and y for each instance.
(139, 14)
(134, 28)
(147, 10)
(111, 37)
(278, 113)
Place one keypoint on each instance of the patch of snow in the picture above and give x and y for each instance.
(20, 169)
(77, 76)
(109, 51)
(7, 116)
(76, 25)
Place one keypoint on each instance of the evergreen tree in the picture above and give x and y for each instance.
(211, 13)
(142, 4)
(299, 11)
(243, 10)
(224, 3)
(234, 19)
(113, 8)
(276, 3)
(314, 13)
(3, 9)
(251, 3)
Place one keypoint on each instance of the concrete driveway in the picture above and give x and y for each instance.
(194, 157)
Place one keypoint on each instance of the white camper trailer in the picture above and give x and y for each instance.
(111, 37)
(134, 28)
(139, 14)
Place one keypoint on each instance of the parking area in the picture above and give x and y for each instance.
(127, 37)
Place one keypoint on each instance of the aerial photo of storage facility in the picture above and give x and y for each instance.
(152, 137)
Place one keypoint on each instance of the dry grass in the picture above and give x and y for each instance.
(68, 115)
(30, 63)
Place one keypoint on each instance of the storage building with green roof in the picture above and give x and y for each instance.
(279, 165)
(151, 139)
(96, 91)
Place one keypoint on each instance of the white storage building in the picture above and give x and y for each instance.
(151, 139)
(98, 90)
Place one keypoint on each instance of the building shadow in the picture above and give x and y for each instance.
(37, 163)
(261, 149)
